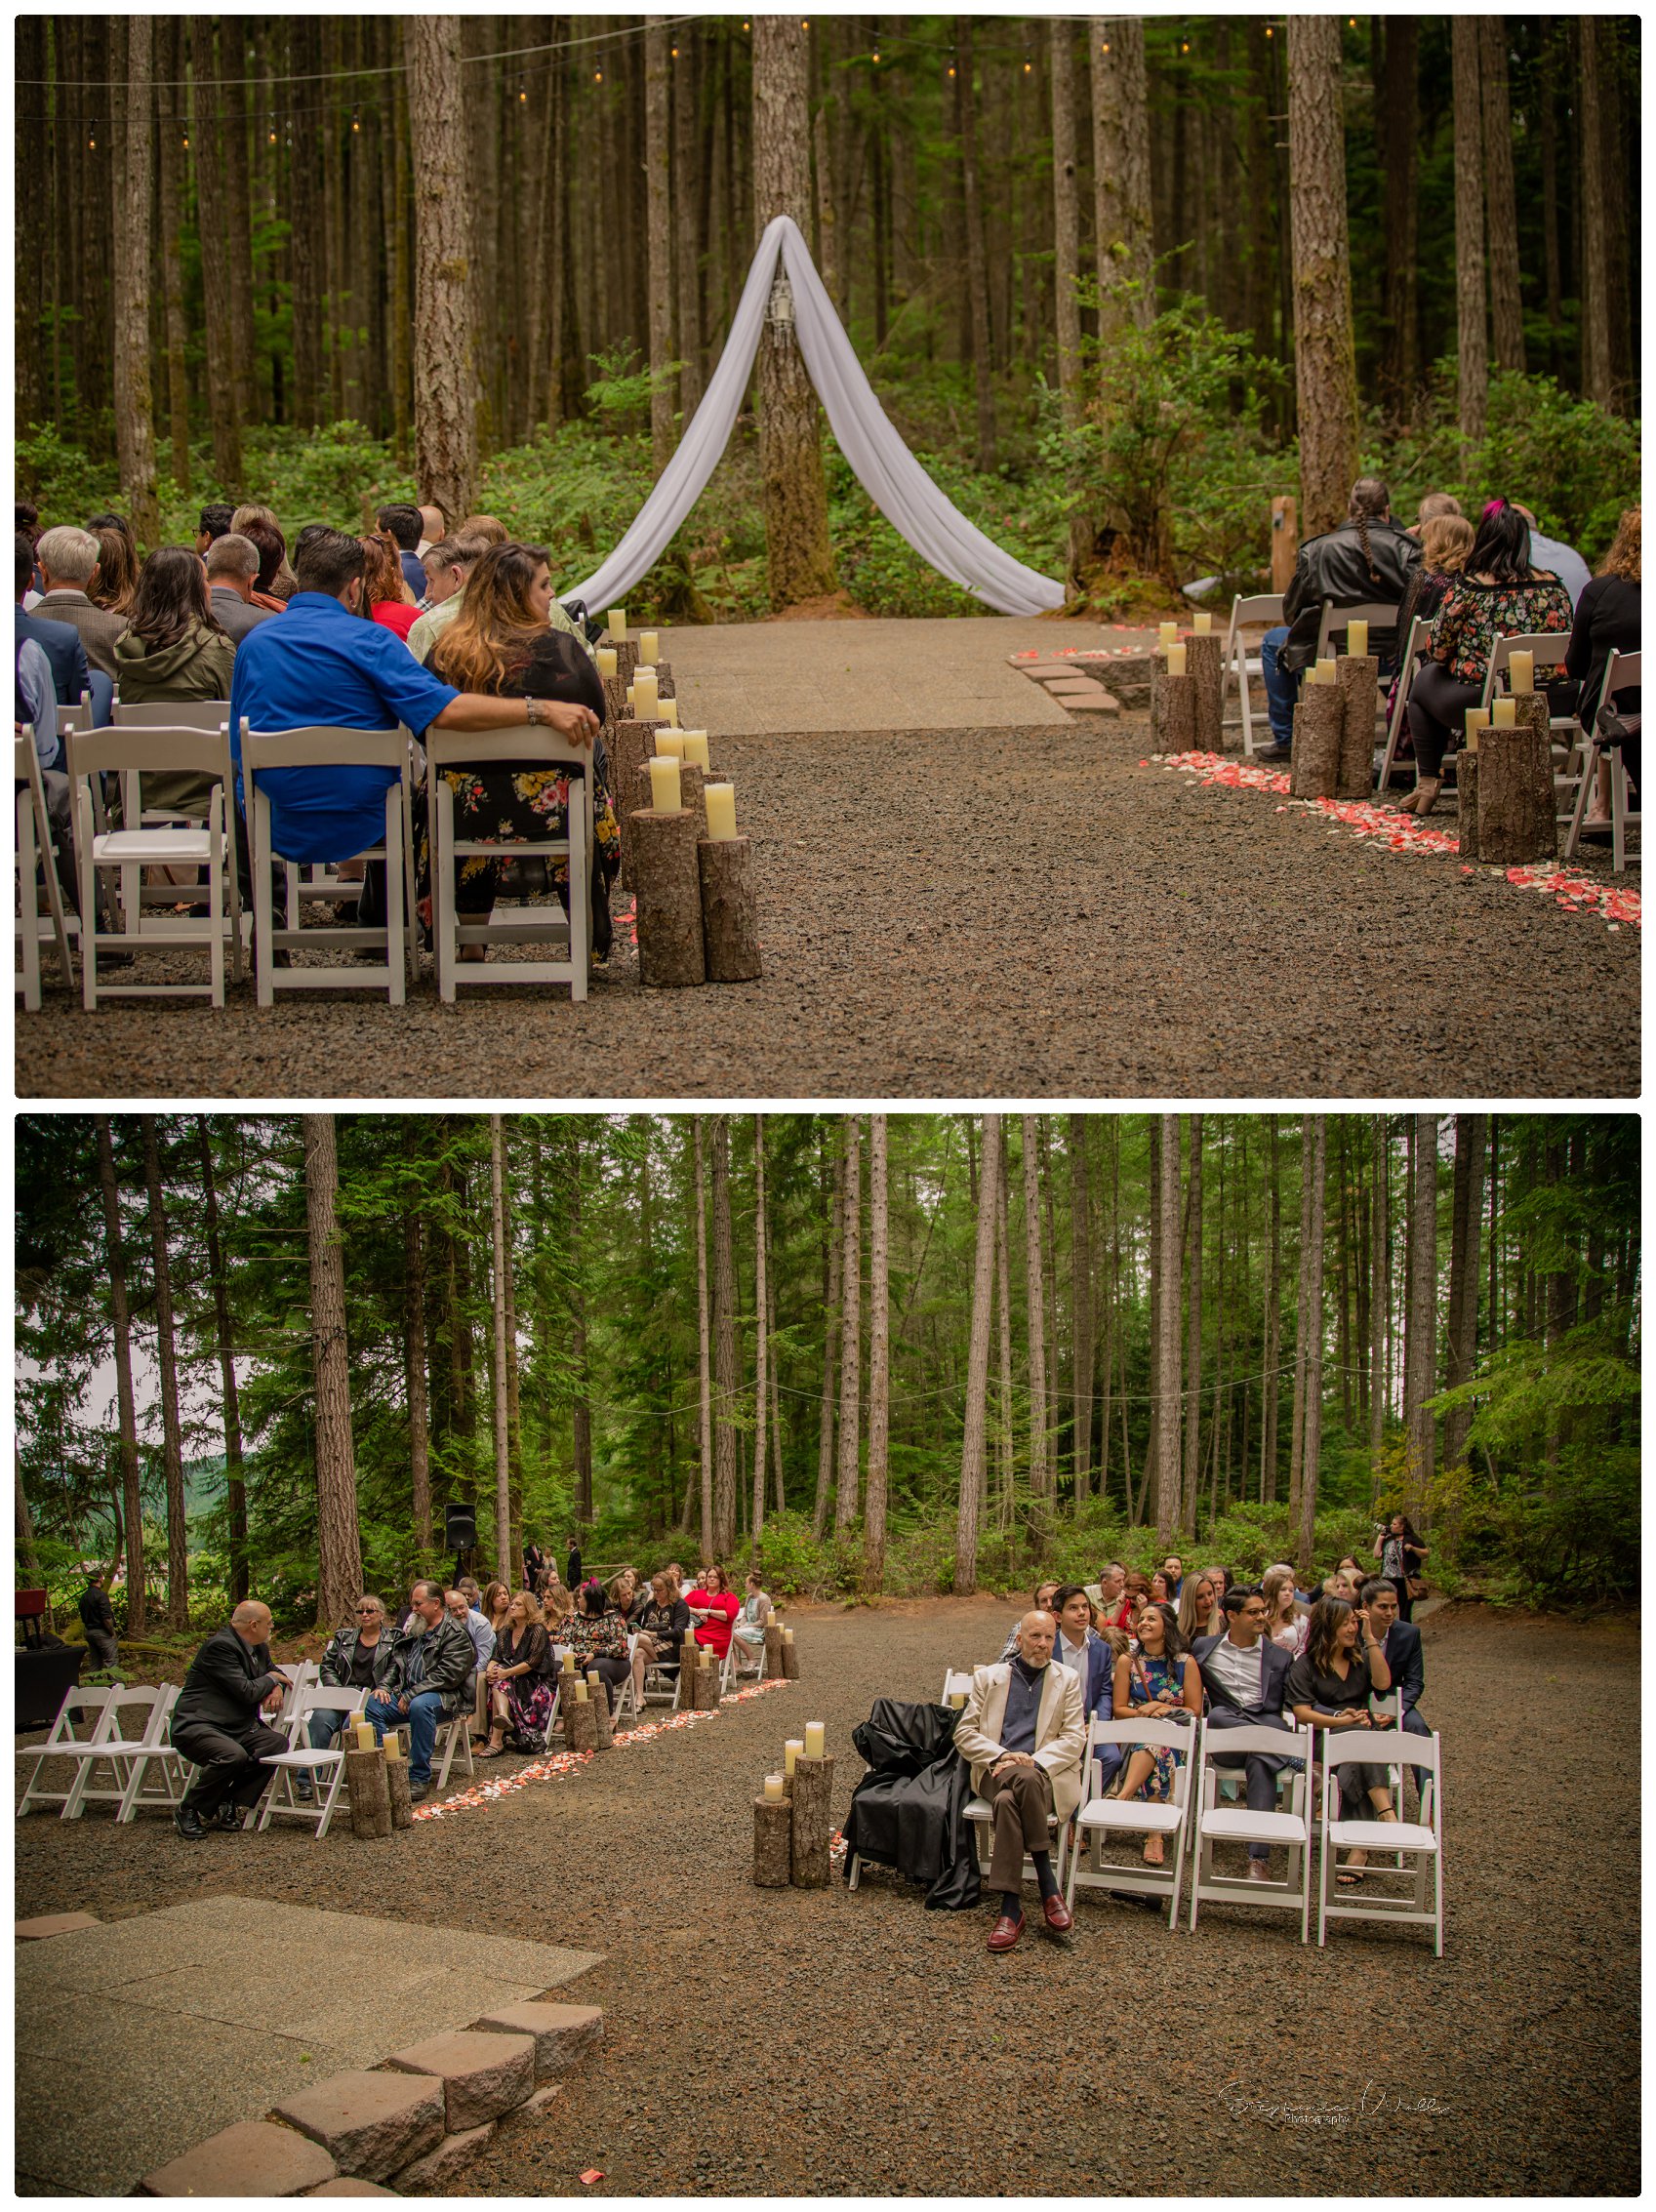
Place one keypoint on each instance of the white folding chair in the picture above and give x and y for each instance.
(1239, 666)
(1420, 1841)
(306, 1675)
(1287, 1830)
(172, 714)
(1102, 1819)
(1379, 614)
(749, 1661)
(90, 1706)
(530, 747)
(281, 1802)
(454, 1736)
(36, 855)
(1622, 674)
(265, 751)
(1420, 629)
(76, 717)
(1550, 647)
(956, 1683)
(119, 1748)
(126, 851)
(660, 1684)
(627, 1697)
(159, 1773)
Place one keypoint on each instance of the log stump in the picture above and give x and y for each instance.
(1466, 796)
(396, 1785)
(773, 1653)
(1516, 823)
(628, 743)
(686, 1699)
(692, 784)
(626, 661)
(370, 1798)
(707, 1686)
(1319, 724)
(615, 701)
(773, 1842)
(667, 879)
(1204, 659)
(813, 1806)
(1172, 713)
(730, 913)
(580, 1722)
(1359, 696)
(789, 1661)
(603, 1720)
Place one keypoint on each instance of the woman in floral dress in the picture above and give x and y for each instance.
(500, 642)
(1157, 1679)
(519, 1680)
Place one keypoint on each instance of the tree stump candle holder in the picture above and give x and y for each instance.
(813, 1805)
(773, 1842)
(626, 661)
(580, 1722)
(1320, 726)
(692, 784)
(1359, 697)
(397, 1790)
(789, 1656)
(730, 910)
(667, 881)
(1172, 711)
(1466, 798)
(630, 744)
(1515, 821)
(687, 1672)
(1204, 656)
(603, 1720)
(773, 1652)
(708, 1684)
(370, 1796)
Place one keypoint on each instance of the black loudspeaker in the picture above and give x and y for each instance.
(460, 1528)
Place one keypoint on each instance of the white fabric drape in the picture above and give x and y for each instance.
(886, 467)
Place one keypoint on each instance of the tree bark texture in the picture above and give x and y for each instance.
(1317, 1137)
(235, 1487)
(1505, 299)
(879, 1358)
(969, 1514)
(444, 359)
(847, 1487)
(1040, 1465)
(687, 242)
(1464, 1276)
(1272, 1330)
(134, 424)
(1397, 119)
(1324, 359)
(657, 153)
(339, 1547)
(703, 1340)
(167, 1361)
(1168, 1389)
(668, 876)
(1172, 710)
(1192, 1334)
(502, 1454)
(977, 258)
(730, 913)
(1470, 314)
(1204, 659)
(773, 1842)
(170, 161)
(213, 221)
(120, 1318)
(1516, 818)
(1359, 681)
(1320, 729)
(1420, 1354)
(1121, 172)
(419, 1419)
(1080, 1310)
(1597, 381)
(832, 1306)
(726, 1379)
(761, 1339)
(813, 1822)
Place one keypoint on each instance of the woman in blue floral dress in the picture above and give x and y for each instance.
(1158, 1678)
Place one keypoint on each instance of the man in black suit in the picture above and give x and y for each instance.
(217, 1724)
(232, 564)
(58, 641)
(1400, 1640)
(1243, 1673)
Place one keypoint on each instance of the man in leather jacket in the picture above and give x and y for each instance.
(429, 1664)
(1368, 557)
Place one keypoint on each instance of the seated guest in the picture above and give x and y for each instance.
(1244, 1673)
(1400, 1640)
(749, 1629)
(458, 1607)
(1022, 1734)
(1607, 621)
(1557, 558)
(174, 646)
(494, 1604)
(430, 1662)
(557, 1599)
(488, 527)
(1041, 1600)
(499, 644)
(446, 581)
(597, 1635)
(1432, 506)
(217, 1725)
(1173, 1567)
(444, 577)
(1082, 1648)
(662, 1623)
(38, 710)
(1198, 1608)
(1161, 1589)
(357, 1658)
(68, 559)
(1329, 1686)
(1113, 1609)
(216, 523)
(1282, 1622)
(1399, 1550)
(519, 1680)
(1500, 595)
(385, 587)
(1445, 543)
(714, 1609)
(65, 655)
(1158, 1679)
(431, 527)
(1138, 1597)
(262, 533)
(1221, 1578)
(115, 578)
(232, 570)
(1368, 558)
(399, 533)
(623, 1593)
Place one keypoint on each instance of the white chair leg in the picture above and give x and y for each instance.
(216, 892)
(443, 912)
(577, 819)
(1617, 812)
(28, 910)
(263, 916)
(396, 947)
(89, 914)
(1588, 775)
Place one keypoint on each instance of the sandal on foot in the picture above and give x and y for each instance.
(1347, 1877)
(487, 1753)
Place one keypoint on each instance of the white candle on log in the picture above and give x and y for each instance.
(1204, 625)
(645, 699)
(606, 660)
(591, 1677)
(1176, 660)
(695, 744)
(1325, 669)
(1356, 639)
(1169, 635)
(665, 795)
(788, 1635)
(365, 1735)
(669, 708)
(1505, 714)
(646, 645)
(1477, 718)
(669, 746)
(1523, 668)
(814, 1737)
(618, 625)
(579, 1692)
(393, 1746)
(720, 801)
(569, 1663)
(773, 1788)
(790, 1752)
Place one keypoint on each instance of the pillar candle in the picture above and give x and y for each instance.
(1204, 625)
(720, 801)
(772, 1788)
(569, 1663)
(669, 746)
(1505, 714)
(664, 790)
(669, 708)
(695, 744)
(957, 1699)
(606, 660)
(591, 1677)
(1175, 660)
(1325, 669)
(790, 1752)
(646, 645)
(1169, 634)
(393, 1746)
(645, 698)
(815, 1736)
(618, 625)
(1523, 668)
(1477, 718)
(365, 1735)
(1310, 675)
(1356, 639)
(579, 1692)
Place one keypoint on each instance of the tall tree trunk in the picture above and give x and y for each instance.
(1554, 52)
(1081, 1309)
(1270, 1404)
(444, 358)
(212, 202)
(305, 218)
(503, 1437)
(831, 1310)
(977, 258)
(1379, 1290)
(799, 558)
(1066, 266)
(846, 1499)
(1041, 1463)
(658, 177)
(1167, 1346)
(120, 1318)
(234, 64)
(1152, 1207)
(1325, 358)
(725, 1376)
(134, 413)
(1121, 174)
(1471, 316)
(33, 340)
(235, 1487)
(28, 1557)
(687, 244)
(969, 1514)
(704, 1332)
(1317, 1137)
(1194, 1336)
(170, 150)
(580, 1422)
(761, 1343)
(1397, 117)
(167, 1361)
(1464, 1277)
(1505, 299)
(1303, 1326)
(1597, 381)
(1420, 1378)
(879, 1360)
(338, 1545)
(414, 1340)
(1003, 1309)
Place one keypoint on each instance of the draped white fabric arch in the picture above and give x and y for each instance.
(886, 467)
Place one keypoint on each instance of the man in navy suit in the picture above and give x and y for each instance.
(1400, 1640)
(1243, 1673)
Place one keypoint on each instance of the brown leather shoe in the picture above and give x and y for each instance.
(1005, 1933)
(1059, 1917)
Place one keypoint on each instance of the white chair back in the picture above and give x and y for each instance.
(92, 1708)
(136, 1718)
(1379, 614)
(36, 853)
(1099, 1816)
(1285, 1826)
(1420, 629)
(173, 714)
(1239, 665)
(1622, 673)
(1421, 1841)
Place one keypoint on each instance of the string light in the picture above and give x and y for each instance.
(675, 53)
(186, 141)
(876, 57)
(1104, 49)
(597, 76)
(1028, 66)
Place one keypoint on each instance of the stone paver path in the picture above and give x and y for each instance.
(137, 2038)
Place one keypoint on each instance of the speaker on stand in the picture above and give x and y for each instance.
(460, 1534)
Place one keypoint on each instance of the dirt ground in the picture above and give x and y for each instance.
(787, 2043)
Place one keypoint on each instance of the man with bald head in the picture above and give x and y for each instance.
(217, 1723)
(1024, 1732)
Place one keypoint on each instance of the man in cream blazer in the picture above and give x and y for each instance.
(1023, 1733)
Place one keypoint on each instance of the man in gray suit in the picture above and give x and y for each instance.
(232, 564)
(68, 557)
(1243, 1673)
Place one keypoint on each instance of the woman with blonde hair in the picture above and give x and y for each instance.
(519, 1680)
(1282, 1622)
(1198, 1608)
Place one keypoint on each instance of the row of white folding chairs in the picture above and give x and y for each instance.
(1240, 665)
(1623, 674)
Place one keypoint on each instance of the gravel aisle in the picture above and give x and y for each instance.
(976, 913)
(785, 2042)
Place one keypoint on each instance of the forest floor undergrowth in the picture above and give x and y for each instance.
(1032, 911)
(785, 2042)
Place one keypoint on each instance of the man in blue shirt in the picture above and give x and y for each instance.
(324, 662)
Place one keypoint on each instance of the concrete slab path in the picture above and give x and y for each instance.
(137, 2038)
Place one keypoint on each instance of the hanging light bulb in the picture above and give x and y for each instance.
(877, 58)
(597, 76)
(1027, 67)
(1185, 46)
(91, 145)
(1105, 49)
(186, 141)
(675, 53)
